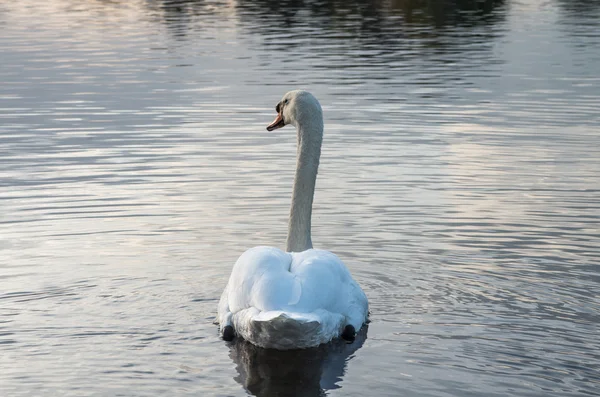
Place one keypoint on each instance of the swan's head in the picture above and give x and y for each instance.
(297, 108)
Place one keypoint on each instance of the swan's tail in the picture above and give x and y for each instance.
(289, 330)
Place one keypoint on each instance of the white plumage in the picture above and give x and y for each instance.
(286, 300)
(301, 298)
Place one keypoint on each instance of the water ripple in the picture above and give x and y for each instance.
(459, 182)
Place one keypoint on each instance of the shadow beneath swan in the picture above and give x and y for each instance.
(298, 373)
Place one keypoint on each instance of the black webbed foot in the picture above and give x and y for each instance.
(228, 333)
(349, 333)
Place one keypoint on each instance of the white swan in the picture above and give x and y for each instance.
(303, 297)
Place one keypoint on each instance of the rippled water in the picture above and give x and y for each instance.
(459, 182)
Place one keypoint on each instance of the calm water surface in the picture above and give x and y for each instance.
(459, 182)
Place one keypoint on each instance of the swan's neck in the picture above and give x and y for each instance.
(310, 136)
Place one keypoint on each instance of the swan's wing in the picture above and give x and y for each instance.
(328, 285)
(261, 279)
(321, 276)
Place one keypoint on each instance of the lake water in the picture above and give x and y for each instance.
(460, 183)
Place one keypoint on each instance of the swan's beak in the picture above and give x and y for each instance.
(277, 123)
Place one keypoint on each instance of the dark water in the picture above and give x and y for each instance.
(459, 182)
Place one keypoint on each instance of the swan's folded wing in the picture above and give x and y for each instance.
(260, 278)
(325, 281)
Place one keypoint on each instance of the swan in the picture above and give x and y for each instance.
(303, 297)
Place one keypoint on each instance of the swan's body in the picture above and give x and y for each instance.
(286, 300)
(304, 297)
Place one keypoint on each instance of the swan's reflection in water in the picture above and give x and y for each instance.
(309, 372)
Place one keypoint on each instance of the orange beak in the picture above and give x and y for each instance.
(277, 123)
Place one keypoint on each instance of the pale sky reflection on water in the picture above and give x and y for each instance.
(459, 182)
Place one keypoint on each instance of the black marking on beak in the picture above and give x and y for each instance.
(278, 122)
